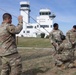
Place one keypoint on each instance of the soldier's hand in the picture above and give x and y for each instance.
(54, 44)
(73, 43)
(20, 18)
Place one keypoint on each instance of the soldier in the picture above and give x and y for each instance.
(11, 60)
(65, 56)
(67, 49)
(56, 38)
(71, 37)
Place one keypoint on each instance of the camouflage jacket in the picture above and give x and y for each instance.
(8, 38)
(64, 46)
(55, 36)
(71, 37)
(69, 43)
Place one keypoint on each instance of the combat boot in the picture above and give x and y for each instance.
(71, 65)
(61, 67)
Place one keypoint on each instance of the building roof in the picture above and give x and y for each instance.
(24, 2)
(45, 10)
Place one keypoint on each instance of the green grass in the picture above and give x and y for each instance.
(41, 62)
(34, 42)
(36, 61)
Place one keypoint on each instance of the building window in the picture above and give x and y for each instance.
(21, 35)
(29, 26)
(37, 25)
(28, 31)
(51, 26)
(23, 31)
(23, 5)
(44, 26)
(45, 13)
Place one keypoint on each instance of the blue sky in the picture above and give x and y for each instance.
(65, 10)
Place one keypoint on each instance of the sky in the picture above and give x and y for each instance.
(65, 11)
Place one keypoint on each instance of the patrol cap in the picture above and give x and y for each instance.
(55, 24)
(6, 15)
(74, 26)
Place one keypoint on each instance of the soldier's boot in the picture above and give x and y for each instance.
(58, 63)
(62, 67)
(71, 65)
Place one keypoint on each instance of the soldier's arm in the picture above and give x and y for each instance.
(60, 47)
(51, 37)
(68, 36)
(16, 29)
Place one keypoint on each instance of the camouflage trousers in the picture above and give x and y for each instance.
(64, 57)
(11, 65)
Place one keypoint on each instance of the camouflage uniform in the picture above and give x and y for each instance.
(55, 37)
(65, 53)
(67, 49)
(71, 37)
(11, 60)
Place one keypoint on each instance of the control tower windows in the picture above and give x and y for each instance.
(45, 13)
(24, 5)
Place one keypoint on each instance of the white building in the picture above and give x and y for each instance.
(43, 23)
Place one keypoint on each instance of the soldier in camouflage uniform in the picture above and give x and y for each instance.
(55, 38)
(11, 60)
(67, 49)
(71, 37)
(65, 55)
